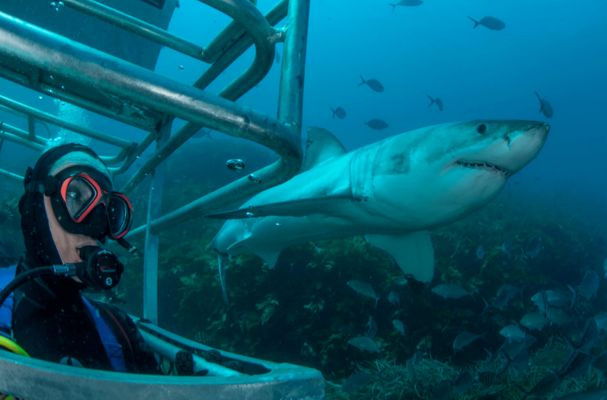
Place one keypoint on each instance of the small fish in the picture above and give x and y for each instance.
(480, 252)
(235, 164)
(553, 298)
(545, 106)
(365, 343)
(513, 333)
(364, 289)
(518, 351)
(492, 23)
(558, 316)
(406, 3)
(450, 291)
(504, 296)
(437, 101)
(393, 298)
(589, 285)
(339, 112)
(463, 340)
(399, 326)
(535, 321)
(377, 124)
(373, 84)
(601, 321)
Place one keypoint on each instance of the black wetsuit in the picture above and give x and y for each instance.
(51, 322)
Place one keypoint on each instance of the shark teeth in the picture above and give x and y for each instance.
(484, 165)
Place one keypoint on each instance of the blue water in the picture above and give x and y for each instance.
(555, 47)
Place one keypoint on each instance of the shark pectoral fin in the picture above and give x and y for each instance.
(292, 208)
(413, 252)
(321, 145)
(269, 256)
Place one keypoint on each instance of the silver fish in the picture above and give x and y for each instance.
(504, 296)
(450, 291)
(365, 343)
(601, 321)
(589, 285)
(399, 326)
(437, 101)
(373, 84)
(513, 333)
(393, 298)
(545, 106)
(463, 340)
(492, 23)
(535, 321)
(339, 112)
(406, 3)
(553, 298)
(363, 288)
(377, 124)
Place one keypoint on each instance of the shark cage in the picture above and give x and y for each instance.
(46, 51)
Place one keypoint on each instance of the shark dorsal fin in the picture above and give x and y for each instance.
(320, 146)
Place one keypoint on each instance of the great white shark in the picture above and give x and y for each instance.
(393, 191)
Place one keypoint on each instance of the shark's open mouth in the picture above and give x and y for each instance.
(484, 165)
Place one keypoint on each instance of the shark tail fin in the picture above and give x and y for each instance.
(333, 111)
(362, 81)
(393, 5)
(221, 272)
(476, 23)
(432, 101)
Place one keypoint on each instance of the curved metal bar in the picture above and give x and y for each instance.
(249, 79)
(235, 32)
(73, 62)
(137, 26)
(246, 14)
(290, 109)
(34, 379)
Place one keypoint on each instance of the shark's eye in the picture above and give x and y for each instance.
(482, 128)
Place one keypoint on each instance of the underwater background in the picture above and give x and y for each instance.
(517, 307)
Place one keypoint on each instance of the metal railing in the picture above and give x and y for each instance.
(96, 81)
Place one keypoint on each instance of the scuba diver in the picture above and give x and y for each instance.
(68, 211)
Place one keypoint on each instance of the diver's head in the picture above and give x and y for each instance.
(69, 204)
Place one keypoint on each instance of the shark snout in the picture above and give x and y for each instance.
(525, 143)
(540, 130)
